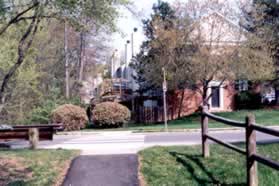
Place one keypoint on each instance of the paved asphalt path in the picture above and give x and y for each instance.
(109, 170)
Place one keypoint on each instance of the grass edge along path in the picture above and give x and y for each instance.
(184, 165)
(35, 167)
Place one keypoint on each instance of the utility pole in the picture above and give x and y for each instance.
(165, 100)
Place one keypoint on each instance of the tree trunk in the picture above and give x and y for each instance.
(82, 56)
(205, 97)
(67, 74)
(181, 103)
(1, 107)
(23, 47)
(276, 95)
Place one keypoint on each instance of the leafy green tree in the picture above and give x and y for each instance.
(262, 21)
(32, 12)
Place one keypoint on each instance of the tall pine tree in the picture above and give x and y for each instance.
(263, 21)
(146, 57)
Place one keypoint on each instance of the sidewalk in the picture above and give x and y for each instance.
(121, 132)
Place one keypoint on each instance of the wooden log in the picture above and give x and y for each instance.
(224, 120)
(266, 130)
(228, 145)
(266, 161)
(251, 146)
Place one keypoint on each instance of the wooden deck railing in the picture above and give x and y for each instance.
(250, 127)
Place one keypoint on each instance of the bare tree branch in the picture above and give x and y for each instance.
(16, 18)
(31, 17)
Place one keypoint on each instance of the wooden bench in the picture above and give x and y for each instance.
(21, 132)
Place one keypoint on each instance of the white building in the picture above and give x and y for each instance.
(122, 70)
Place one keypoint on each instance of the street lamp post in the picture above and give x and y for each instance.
(126, 58)
(132, 41)
(125, 66)
(132, 51)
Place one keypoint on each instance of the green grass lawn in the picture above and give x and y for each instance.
(185, 166)
(38, 167)
(263, 117)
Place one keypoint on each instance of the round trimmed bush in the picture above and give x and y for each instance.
(71, 116)
(110, 114)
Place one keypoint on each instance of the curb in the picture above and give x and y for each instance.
(199, 130)
(186, 130)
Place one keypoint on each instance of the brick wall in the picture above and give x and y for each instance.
(192, 100)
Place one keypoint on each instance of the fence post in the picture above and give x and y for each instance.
(251, 147)
(33, 137)
(204, 132)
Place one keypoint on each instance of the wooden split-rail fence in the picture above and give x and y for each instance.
(252, 157)
(21, 132)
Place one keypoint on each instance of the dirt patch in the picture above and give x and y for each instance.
(140, 176)
(13, 170)
(59, 181)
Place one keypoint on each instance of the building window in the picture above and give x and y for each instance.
(241, 85)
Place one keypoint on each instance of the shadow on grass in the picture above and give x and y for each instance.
(268, 142)
(187, 162)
